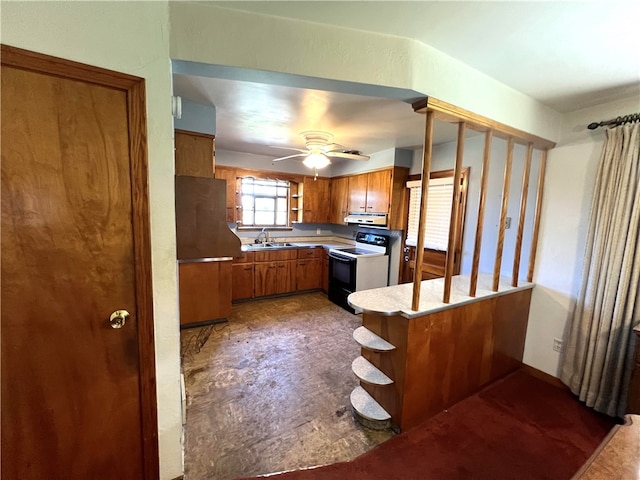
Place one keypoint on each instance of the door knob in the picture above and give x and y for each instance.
(118, 318)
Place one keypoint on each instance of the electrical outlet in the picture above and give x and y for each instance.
(557, 344)
(507, 223)
(318, 231)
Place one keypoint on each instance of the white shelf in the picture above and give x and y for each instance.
(367, 372)
(367, 407)
(369, 340)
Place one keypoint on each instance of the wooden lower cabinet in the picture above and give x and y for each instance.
(309, 274)
(242, 282)
(205, 291)
(325, 271)
(266, 277)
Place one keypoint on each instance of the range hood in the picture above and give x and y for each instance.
(367, 219)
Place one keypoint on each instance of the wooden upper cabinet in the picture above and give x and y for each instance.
(316, 200)
(229, 174)
(339, 200)
(370, 192)
(378, 189)
(195, 154)
(358, 193)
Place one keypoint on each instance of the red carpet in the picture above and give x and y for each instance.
(517, 428)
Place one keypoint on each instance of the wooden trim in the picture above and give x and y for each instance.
(506, 187)
(455, 212)
(196, 134)
(536, 221)
(63, 68)
(452, 114)
(136, 113)
(426, 168)
(484, 179)
(523, 211)
(545, 377)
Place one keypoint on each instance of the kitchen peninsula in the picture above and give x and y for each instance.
(440, 353)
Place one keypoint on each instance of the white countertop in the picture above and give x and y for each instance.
(396, 299)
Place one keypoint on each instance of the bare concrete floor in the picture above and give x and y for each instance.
(269, 391)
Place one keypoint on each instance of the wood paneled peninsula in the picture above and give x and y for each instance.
(441, 353)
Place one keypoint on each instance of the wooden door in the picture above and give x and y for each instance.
(316, 200)
(309, 274)
(378, 189)
(358, 193)
(266, 279)
(242, 281)
(339, 200)
(78, 396)
(205, 291)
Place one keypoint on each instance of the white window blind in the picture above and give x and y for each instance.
(438, 213)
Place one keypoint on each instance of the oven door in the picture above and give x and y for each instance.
(342, 279)
(342, 271)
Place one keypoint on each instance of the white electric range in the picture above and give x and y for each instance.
(360, 268)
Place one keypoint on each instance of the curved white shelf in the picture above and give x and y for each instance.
(369, 373)
(367, 407)
(369, 340)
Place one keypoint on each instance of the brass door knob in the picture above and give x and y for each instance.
(118, 318)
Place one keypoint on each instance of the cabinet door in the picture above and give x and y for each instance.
(358, 193)
(205, 291)
(242, 281)
(286, 281)
(309, 274)
(229, 174)
(339, 200)
(266, 277)
(325, 272)
(378, 189)
(315, 200)
(194, 154)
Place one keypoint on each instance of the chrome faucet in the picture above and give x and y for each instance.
(264, 232)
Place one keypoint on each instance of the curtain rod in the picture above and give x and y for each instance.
(634, 117)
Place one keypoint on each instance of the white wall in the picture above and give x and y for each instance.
(131, 38)
(569, 184)
(211, 34)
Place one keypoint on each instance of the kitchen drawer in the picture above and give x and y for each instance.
(310, 252)
(247, 257)
(275, 255)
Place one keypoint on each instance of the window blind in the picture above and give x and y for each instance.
(438, 213)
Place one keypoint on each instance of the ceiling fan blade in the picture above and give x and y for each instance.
(350, 156)
(290, 156)
(301, 150)
(334, 147)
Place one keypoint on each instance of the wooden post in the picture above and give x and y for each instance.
(506, 186)
(523, 211)
(484, 179)
(536, 221)
(426, 169)
(455, 212)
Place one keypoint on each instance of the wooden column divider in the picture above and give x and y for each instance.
(536, 221)
(523, 211)
(484, 179)
(506, 186)
(426, 170)
(455, 212)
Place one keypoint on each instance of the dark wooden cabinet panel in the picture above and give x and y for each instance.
(242, 281)
(309, 274)
(286, 277)
(339, 200)
(325, 271)
(205, 291)
(316, 200)
(195, 154)
(266, 277)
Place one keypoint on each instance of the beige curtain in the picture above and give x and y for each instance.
(598, 352)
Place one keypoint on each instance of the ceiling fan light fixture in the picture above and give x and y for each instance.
(316, 160)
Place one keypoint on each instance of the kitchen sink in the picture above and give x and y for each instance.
(259, 246)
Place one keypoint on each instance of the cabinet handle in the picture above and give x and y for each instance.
(369, 207)
(249, 268)
(280, 266)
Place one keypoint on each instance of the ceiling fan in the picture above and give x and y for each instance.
(320, 150)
